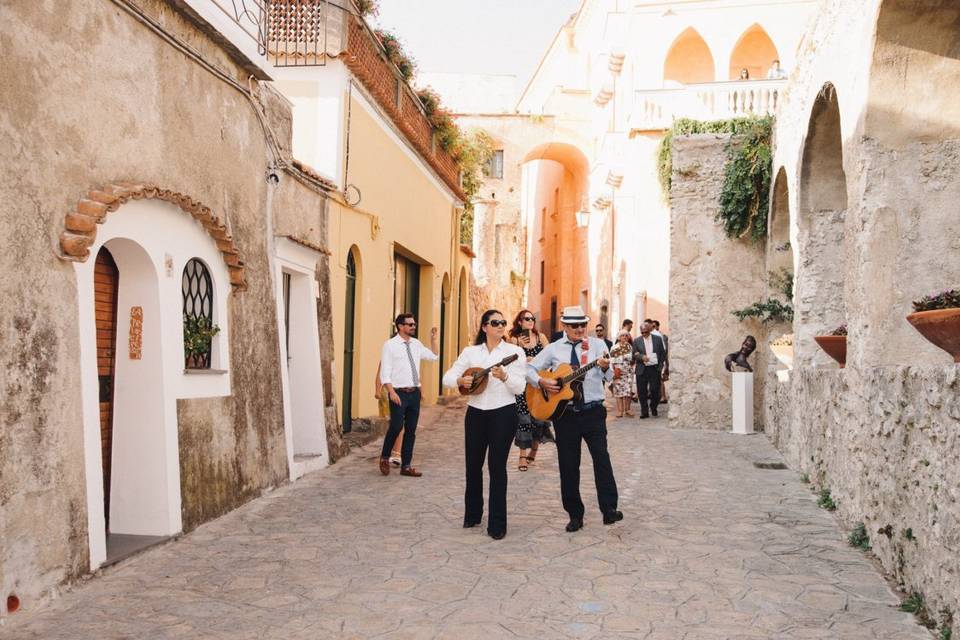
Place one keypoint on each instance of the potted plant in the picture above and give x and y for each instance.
(782, 348)
(937, 318)
(835, 344)
(198, 333)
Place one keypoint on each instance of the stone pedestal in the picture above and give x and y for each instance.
(742, 403)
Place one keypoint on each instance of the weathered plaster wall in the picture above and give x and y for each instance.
(881, 434)
(885, 441)
(710, 276)
(90, 96)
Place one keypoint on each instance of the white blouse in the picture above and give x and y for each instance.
(497, 394)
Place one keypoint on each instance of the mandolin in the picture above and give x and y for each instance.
(550, 406)
(481, 376)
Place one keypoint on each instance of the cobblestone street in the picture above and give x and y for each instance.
(710, 547)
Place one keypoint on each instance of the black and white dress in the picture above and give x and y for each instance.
(528, 429)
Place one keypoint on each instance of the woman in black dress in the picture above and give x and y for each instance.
(524, 334)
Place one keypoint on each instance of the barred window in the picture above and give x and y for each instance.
(198, 325)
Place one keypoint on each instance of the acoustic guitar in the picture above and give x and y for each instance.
(550, 406)
(481, 376)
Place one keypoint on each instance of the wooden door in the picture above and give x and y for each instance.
(348, 335)
(105, 279)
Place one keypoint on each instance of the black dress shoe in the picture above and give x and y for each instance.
(612, 516)
(654, 413)
(467, 523)
(575, 524)
(497, 535)
(644, 415)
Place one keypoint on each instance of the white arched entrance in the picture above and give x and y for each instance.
(150, 243)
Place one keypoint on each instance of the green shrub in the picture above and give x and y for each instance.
(859, 538)
(825, 500)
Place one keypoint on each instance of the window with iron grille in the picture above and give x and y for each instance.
(198, 326)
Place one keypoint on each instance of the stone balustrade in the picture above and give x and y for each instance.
(658, 108)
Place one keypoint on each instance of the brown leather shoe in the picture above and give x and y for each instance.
(385, 466)
(410, 471)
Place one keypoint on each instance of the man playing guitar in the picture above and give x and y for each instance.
(584, 419)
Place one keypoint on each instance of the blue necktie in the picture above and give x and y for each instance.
(574, 360)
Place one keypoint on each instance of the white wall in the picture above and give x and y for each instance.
(301, 377)
(154, 240)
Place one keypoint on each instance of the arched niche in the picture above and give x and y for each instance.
(908, 215)
(779, 249)
(754, 52)
(819, 298)
(689, 60)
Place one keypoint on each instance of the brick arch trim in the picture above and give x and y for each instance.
(80, 225)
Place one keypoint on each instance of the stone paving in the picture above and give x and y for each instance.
(710, 547)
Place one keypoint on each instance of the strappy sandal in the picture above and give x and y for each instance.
(523, 465)
(531, 459)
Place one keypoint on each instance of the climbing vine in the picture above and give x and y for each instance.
(744, 197)
(472, 151)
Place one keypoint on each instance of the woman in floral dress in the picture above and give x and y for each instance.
(624, 385)
(524, 334)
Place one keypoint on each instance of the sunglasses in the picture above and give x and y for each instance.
(578, 325)
(497, 323)
(409, 324)
(528, 319)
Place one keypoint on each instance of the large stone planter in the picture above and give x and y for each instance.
(941, 327)
(835, 346)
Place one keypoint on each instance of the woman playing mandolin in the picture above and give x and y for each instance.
(491, 373)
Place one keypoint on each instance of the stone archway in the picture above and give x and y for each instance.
(819, 299)
(689, 60)
(80, 225)
(754, 52)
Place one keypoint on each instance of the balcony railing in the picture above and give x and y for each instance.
(657, 109)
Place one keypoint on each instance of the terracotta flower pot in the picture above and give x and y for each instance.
(941, 327)
(835, 346)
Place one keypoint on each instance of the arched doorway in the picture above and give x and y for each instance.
(779, 252)
(689, 60)
(444, 297)
(106, 279)
(462, 312)
(754, 52)
(554, 188)
(349, 306)
(820, 303)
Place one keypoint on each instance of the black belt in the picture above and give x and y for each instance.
(407, 389)
(587, 406)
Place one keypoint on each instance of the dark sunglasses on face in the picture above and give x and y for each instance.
(578, 325)
(409, 324)
(528, 319)
(497, 323)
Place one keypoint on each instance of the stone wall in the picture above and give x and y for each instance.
(871, 187)
(885, 441)
(710, 276)
(90, 96)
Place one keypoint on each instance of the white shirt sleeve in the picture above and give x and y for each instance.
(461, 365)
(426, 354)
(516, 374)
(386, 364)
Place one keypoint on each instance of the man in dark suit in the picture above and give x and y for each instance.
(650, 355)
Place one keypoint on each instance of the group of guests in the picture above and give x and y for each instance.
(641, 373)
(497, 416)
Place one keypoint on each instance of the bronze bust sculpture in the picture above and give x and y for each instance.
(737, 361)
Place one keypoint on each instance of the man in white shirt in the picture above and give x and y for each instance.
(776, 72)
(400, 374)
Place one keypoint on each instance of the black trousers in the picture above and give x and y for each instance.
(589, 426)
(485, 431)
(648, 388)
(403, 418)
